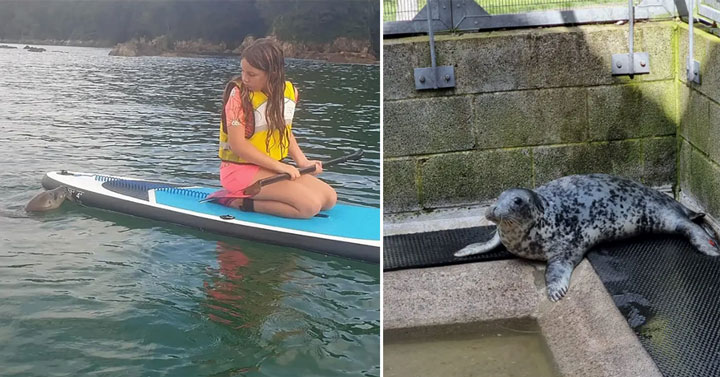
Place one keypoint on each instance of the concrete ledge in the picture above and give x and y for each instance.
(585, 332)
(440, 219)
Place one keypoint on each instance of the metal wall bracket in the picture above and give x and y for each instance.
(632, 63)
(694, 74)
(621, 64)
(433, 77)
(692, 66)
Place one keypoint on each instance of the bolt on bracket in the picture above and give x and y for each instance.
(433, 77)
(693, 71)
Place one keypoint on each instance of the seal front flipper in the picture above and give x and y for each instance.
(558, 272)
(480, 247)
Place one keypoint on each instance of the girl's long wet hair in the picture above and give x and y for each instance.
(266, 55)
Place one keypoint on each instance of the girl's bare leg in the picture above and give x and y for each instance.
(302, 198)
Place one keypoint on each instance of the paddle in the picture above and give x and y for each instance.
(255, 188)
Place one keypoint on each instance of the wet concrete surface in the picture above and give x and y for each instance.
(585, 332)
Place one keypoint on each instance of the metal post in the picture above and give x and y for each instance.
(431, 36)
(631, 16)
(693, 66)
(433, 77)
(632, 63)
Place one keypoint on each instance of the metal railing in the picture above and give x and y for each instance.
(710, 9)
(410, 16)
(405, 10)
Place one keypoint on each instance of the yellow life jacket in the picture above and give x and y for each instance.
(257, 132)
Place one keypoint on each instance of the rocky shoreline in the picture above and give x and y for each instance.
(341, 50)
(57, 42)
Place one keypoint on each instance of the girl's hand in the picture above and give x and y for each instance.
(318, 166)
(292, 171)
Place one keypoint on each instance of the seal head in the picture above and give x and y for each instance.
(47, 200)
(515, 206)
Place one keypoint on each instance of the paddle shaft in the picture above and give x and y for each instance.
(255, 187)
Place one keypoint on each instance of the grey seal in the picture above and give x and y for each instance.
(48, 200)
(561, 220)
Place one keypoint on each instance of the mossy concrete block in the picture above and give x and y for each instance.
(400, 192)
(655, 38)
(472, 177)
(703, 129)
(700, 178)
(532, 117)
(486, 62)
(713, 124)
(695, 125)
(683, 165)
(685, 113)
(660, 156)
(551, 57)
(707, 52)
(489, 62)
(400, 58)
(632, 111)
(422, 126)
(624, 158)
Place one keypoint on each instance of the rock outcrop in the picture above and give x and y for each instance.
(34, 49)
(341, 50)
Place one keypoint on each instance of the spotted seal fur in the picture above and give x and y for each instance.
(560, 221)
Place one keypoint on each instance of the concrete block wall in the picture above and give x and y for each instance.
(699, 129)
(530, 106)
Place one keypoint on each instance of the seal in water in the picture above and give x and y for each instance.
(563, 219)
(47, 200)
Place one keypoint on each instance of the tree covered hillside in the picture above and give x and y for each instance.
(108, 22)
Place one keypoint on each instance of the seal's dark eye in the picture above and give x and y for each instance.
(517, 201)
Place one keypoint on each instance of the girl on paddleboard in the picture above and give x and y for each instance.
(256, 134)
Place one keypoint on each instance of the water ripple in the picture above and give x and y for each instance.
(90, 292)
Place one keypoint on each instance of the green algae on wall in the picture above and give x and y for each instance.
(542, 103)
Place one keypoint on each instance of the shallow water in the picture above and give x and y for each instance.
(482, 350)
(90, 292)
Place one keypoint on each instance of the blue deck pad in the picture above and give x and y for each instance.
(343, 220)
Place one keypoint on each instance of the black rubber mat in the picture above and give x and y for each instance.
(670, 294)
(433, 249)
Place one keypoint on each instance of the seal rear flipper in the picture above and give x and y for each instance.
(700, 237)
(696, 216)
(480, 247)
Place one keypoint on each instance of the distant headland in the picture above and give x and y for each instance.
(341, 50)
